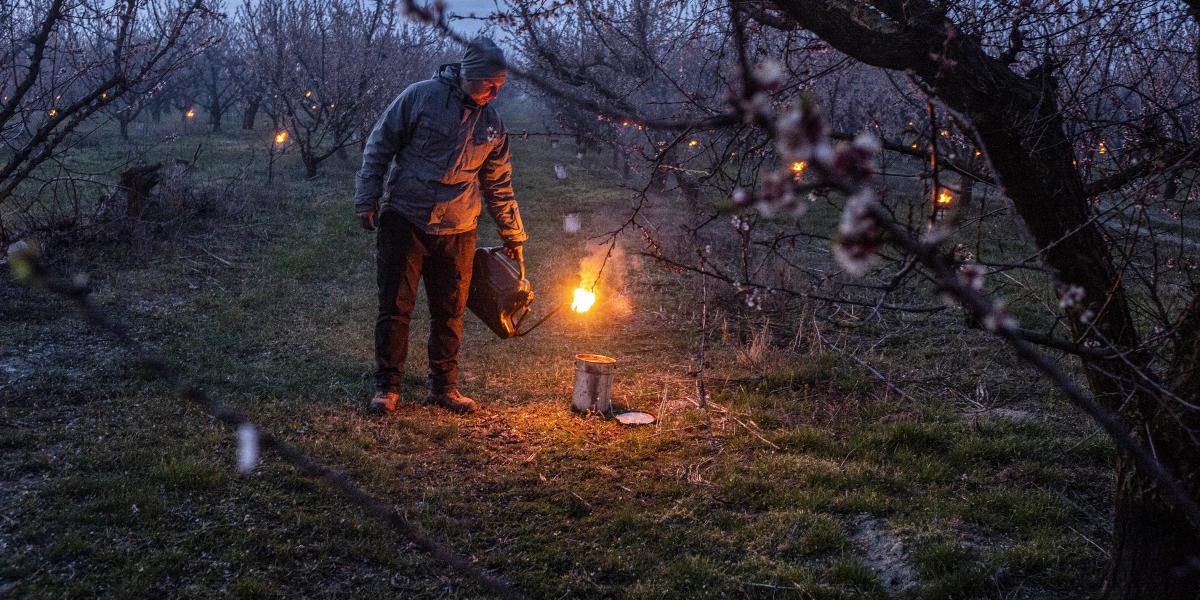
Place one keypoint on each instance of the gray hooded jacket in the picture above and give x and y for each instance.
(446, 155)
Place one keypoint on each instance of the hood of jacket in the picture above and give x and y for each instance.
(450, 74)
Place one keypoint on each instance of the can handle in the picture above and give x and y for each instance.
(520, 262)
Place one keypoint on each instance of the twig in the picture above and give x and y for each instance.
(880, 376)
(219, 259)
(702, 392)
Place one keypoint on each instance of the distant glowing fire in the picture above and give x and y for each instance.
(281, 137)
(583, 300)
(945, 198)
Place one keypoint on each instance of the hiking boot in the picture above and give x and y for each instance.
(384, 402)
(454, 401)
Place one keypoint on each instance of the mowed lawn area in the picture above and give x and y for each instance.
(816, 479)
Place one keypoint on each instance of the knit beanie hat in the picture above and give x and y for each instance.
(483, 60)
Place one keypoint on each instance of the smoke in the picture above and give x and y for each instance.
(603, 270)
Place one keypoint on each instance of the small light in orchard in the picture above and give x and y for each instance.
(944, 133)
(53, 112)
(1103, 147)
(978, 154)
(104, 95)
(1074, 162)
(798, 168)
(190, 113)
(624, 123)
(945, 198)
(57, 98)
(693, 143)
(914, 146)
(332, 104)
(314, 107)
(583, 300)
(281, 137)
(308, 94)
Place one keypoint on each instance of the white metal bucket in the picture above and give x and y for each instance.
(593, 383)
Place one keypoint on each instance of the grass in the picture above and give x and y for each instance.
(118, 489)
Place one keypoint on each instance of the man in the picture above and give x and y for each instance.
(448, 151)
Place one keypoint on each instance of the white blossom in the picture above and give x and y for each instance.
(1069, 295)
(769, 73)
(858, 235)
(247, 455)
(740, 196)
(999, 318)
(971, 275)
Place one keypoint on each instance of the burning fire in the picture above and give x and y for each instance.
(583, 300)
(799, 167)
(1103, 147)
(190, 113)
(945, 198)
(281, 137)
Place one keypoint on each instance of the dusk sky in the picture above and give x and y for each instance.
(466, 7)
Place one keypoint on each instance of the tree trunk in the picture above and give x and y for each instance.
(251, 113)
(124, 129)
(214, 117)
(310, 164)
(1154, 552)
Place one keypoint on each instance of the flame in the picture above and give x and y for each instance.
(799, 167)
(944, 133)
(945, 198)
(583, 300)
(53, 112)
(281, 137)
(190, 113)
(693, 143)
(308, 94)
(1103, 147)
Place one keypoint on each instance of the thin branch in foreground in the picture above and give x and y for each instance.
(28, 268)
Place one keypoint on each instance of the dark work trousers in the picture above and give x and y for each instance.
(405, 254)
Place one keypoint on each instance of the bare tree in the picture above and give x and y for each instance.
(62, 63)
(329, 67)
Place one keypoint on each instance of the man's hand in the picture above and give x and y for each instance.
(515, 251)
(368, 219)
